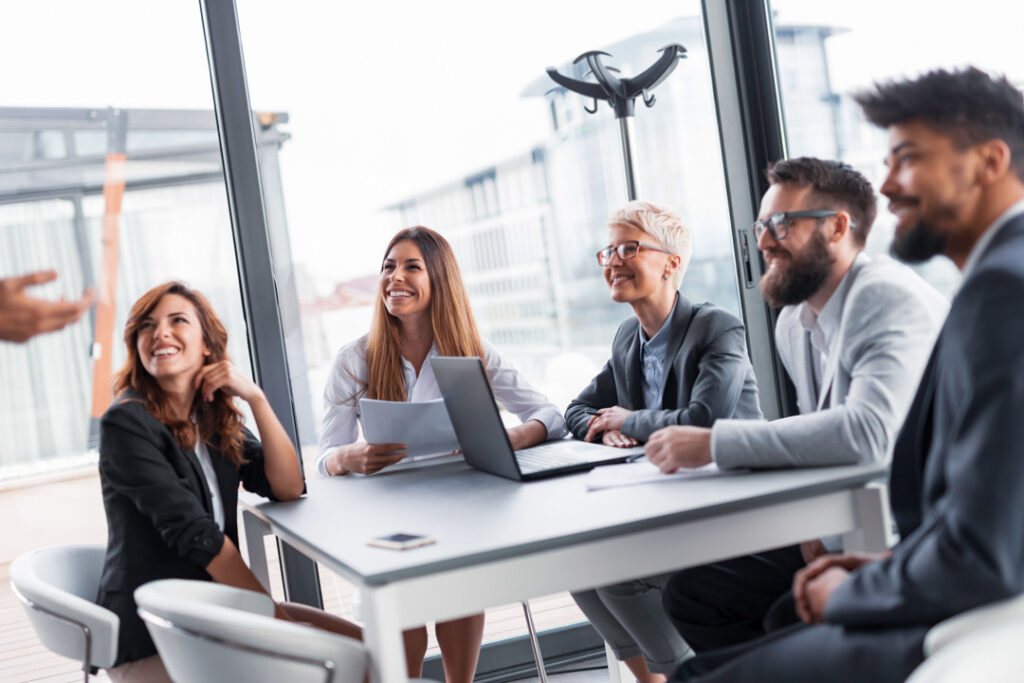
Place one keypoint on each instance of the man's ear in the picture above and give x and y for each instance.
(840, 226)
(995, 158)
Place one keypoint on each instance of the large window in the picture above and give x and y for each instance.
(110, 173)
(855, 45)
(400, 115)
(396, 120)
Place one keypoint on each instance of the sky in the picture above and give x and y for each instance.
(389, 98)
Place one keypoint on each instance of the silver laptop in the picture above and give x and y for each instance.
(481, 433)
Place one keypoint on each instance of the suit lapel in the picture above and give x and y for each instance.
(828, 375)
(911, 449)
(679, 323)
(831, 365)
(634, 372)
(200, 478)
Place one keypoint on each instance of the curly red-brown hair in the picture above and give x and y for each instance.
(219, 416)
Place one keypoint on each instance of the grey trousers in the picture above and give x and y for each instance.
(630, 618)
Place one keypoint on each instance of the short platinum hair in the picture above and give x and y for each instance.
(661, 223)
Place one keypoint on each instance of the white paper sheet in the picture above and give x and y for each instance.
(424, 426)
(642, 472)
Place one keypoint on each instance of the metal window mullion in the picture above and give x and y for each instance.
(252, 248)
(741, 55)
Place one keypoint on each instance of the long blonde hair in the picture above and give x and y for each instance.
(451, 318)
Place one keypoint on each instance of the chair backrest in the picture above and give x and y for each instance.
(1002, 613)
(992, 654)
(208, 632)
(58, 588)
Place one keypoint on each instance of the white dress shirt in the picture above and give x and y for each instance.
(340, 425)
(203, 455)
(823, 328)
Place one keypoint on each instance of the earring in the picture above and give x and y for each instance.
(664, 276)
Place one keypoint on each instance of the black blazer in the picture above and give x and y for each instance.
(159, 511)
(707, 375)
(958, 465)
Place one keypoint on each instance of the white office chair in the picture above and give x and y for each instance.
(58, 587)
(1003, 613)
(210, 633)
(981, 644)
(993, 655)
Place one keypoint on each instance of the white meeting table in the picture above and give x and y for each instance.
(500, 541)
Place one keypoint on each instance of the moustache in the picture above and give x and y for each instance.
(896, 200)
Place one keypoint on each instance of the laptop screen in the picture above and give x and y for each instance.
(474, 415)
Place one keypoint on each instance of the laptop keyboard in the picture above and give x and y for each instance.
(545, 457)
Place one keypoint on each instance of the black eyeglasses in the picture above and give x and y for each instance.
(778, 223)
(626, 250)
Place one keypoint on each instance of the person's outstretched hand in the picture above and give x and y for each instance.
(23, 317)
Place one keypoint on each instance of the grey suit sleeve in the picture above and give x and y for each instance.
(968, 550)
(600, 393)
(888, 331)
(716, 391)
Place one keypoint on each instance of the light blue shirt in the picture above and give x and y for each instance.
(652, 363)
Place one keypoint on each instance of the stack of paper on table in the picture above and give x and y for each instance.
(424, 426)
(643, 472)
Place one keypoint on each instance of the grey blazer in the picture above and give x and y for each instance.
(889, 321)
(707, 375)
(958, 471)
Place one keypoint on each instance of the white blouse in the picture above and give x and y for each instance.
(344, 388)
(203, 456)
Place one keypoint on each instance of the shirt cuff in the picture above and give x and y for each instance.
(720, 454)
(204, 544)
(552, 420)
(321, 462)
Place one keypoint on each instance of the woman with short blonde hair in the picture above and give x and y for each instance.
(672, 363)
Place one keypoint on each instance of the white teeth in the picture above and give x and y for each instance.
(165, 352)
(399, 294)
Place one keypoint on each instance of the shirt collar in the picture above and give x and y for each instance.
(430, 354)
(832, 312)
(660, 339)
(986, 238)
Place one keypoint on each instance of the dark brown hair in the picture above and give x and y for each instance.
(834, 185)
(966, 105)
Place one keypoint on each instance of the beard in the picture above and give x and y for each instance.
(918, 243)
(803, 276)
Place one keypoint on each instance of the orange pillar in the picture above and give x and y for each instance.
(103, 332)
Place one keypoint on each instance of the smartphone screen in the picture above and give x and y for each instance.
(401, 541)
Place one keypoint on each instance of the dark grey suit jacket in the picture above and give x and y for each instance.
(958, 466)
(707, 375)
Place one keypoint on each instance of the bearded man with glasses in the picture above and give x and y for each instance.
(854, 335)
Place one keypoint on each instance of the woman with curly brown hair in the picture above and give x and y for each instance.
(173, 451)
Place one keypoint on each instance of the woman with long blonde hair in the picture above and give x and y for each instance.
(422, 311)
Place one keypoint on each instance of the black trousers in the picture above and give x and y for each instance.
(725, 603)
(824, 652)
